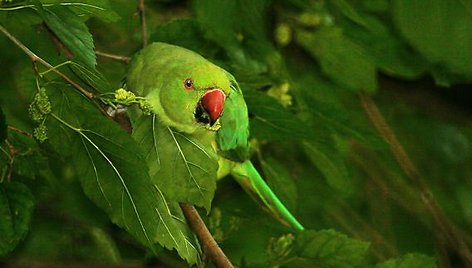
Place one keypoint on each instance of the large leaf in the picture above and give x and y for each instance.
(183, 166)
(345, 62)
(113, 173)
(409, 261)
(72, 31)
(16, 207)
(442, 32)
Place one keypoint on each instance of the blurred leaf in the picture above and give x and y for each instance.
(390, 53)
(331, 165)
(113, 173)
(441, 31)
(227, 22)
(409, 261)
(270, 120)
(183, 166)
(72, 31)
(345, 62)
(3, 126)
(182, 32)
(279, 180)
(350, 12)
(327, 248)
(105, 245)
(16, 208)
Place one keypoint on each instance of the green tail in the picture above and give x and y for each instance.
(248, 177)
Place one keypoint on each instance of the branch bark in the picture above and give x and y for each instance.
(143, 23)
(451, 232)
(113, 56)
(209, 244)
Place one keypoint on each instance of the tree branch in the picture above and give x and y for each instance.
(451, 232)
(113, 56)
(143, 23)
(210, 246)
(36, 58)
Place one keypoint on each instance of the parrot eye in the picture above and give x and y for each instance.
(188, 84)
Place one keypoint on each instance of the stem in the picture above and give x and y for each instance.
(36, 58)
(22, 132)
(210, 246)
(451, 232)
(143, 23)
(66, 124)
(113, 56)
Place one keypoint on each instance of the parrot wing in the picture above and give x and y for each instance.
(232, 137)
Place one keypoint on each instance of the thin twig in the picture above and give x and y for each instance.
(113, 56)
(448, 228)
(22, 132)
(143, 23)
(36, 58)
(210, 246)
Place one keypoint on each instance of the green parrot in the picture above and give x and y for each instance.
(194, 96)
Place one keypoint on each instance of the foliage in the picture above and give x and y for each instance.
(70, 175)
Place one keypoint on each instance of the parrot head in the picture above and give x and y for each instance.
(185, 90)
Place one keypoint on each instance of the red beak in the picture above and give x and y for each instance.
(213, 101)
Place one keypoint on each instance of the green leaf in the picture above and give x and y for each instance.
(72, 31)
(390, 53)
(3, 126)
(182, 32)
(16, 208)
(113, 173)
(101, 9)
(228, 22)
(269, 120)
(413, 260)
(183, 166)
(345, 62)
(350, 12)
(441, 32)
(328, 248)
(331, 165)
(91, 77)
